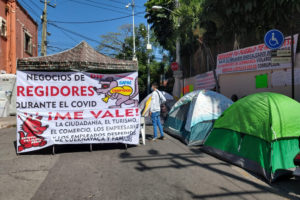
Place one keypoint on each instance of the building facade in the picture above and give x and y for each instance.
(18, 35)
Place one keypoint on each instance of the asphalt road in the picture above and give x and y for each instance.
(160, 170)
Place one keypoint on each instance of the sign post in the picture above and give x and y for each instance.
(293, 66)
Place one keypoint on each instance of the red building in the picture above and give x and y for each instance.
(18, 35)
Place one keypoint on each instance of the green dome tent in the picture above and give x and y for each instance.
(259, 133)
(192, 117)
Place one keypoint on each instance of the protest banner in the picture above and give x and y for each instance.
(258, 57)
(205, 81)
(76, 108)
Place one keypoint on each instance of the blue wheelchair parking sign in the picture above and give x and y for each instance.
(274, 39)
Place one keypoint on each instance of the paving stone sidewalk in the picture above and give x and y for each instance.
(7, 122)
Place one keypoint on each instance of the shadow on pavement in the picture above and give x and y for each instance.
(73, 148)
(283, 188)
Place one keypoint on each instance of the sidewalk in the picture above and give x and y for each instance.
(7, 122)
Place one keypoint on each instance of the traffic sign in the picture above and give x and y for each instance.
(281, 52)
(174, 66)
(274, 39)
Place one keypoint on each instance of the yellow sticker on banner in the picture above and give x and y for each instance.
(125, 90)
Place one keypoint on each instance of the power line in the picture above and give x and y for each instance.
(62, 43)
(66, 34)
(36, 5)
(83, 36)
(104, 4)
(96, 6)
(74, 33)
(96, 21)
(30, 8)
(119, 2)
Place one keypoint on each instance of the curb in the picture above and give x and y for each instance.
(7, 126)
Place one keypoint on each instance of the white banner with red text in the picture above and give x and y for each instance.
(76, 108)
(258, 57)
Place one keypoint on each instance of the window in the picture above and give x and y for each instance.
(2, 27)
(27, 43)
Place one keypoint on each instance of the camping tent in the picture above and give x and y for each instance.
(146, 102)
(192, 117)
(258, 133)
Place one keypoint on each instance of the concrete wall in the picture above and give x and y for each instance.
(243, 83)
(7, 95)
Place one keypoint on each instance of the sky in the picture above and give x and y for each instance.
(67, 35)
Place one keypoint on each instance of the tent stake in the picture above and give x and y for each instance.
(91, 147)
(53, 150)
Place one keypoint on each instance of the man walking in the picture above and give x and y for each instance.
(157, 99)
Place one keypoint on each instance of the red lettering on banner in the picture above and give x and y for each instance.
(75, 91)
(129, 113)
(38, 92)
(29, 91)
(97, 76)
(96, 115)
(50, 116)
(83, 91)
(78, 115)
(63, 90)
(52, 93)
(91, 90)
(20, 91)
(107, 114)
(118, 114)
(67, 115)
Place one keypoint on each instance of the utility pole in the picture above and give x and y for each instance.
(133, 31)
(293, 63)
(292, 52)
(44, 31)
(149, 48)
(178, 60)
(132, 4)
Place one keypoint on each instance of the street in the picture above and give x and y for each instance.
(164, 169)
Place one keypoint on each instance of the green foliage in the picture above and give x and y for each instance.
(249, 20)
(219, 22)
(162, 22)
(120, 45)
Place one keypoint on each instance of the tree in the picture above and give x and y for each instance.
(120, 45)
(216, 26)
(162, 23)
(247, 21)
(113, 43)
